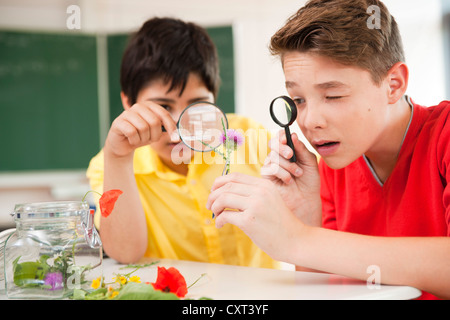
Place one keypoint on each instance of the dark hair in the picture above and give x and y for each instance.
(339, 29)
(168, 49)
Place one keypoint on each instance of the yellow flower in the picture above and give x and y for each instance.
(113, 294)
(121, 279)
(96, 283)
(135, 279)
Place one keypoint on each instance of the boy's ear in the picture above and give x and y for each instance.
(397, 79)
(125, 101)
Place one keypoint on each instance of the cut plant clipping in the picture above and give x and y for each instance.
(107, 200)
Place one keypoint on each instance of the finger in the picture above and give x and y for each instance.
(141, 121)
(304, 156)
(234, 177)
(165, 118)
(275, 142)
(228, 201)
(279, 145)
(275, 172)
(122, 127)
(151, 115)
(280, 167)
(140, 124)
(230, 217)
(229, 187)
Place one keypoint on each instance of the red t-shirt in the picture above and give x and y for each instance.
(413, 201)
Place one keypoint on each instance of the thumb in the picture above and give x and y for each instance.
(304, 156)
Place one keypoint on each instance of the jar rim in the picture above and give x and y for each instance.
(51, 209)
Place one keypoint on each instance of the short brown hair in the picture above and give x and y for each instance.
(339, 29)
(168, 49)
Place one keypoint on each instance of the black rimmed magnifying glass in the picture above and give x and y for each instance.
(201, 126)
(284, 112)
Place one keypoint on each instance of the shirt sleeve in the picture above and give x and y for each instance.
(95, 175)
(326, 194)
(444, 166)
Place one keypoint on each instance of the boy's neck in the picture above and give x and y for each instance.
(383, 157)
(178, 168)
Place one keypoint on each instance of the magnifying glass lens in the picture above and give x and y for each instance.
(201, 126)
(282, 112)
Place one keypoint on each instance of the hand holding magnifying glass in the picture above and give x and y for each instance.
(284, 112)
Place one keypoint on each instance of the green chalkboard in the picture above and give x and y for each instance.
(49, 96)
(116, 48)
(222, 38)
(48, 101)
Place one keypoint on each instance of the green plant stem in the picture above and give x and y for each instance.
(85, 195)
(201, 276)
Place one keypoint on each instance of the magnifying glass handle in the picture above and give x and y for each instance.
(290, 144)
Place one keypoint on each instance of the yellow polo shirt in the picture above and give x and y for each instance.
(179, 225)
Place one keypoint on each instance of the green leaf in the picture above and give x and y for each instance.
(27, 273)
(30, 273)
(78, 294)
(99, 294)
(141, 291)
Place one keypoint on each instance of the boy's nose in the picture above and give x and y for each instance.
(312, 117)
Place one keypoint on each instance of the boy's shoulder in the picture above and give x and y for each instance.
(433, 120)
(441, 110)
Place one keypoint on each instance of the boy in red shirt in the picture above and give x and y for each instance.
(380, 194)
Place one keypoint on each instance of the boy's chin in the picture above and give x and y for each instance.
(337, 163)
(180, 153)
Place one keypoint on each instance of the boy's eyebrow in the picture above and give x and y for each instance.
(164, 100)
(325, 85)
(290, 84)
(167, 100)
(331, 84)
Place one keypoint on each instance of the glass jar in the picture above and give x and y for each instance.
(54, 250)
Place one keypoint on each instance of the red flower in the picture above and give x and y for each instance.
(170, 280)
(108, 200)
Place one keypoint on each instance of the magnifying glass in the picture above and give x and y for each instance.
(284, 112)
(201, 126)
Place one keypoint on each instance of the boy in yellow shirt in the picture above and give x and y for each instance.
(162, 213)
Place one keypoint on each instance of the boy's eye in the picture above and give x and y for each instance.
(299, 101)
(165, 106)
(334, 98)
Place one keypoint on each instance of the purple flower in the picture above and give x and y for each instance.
(54, 280)
(234, 140)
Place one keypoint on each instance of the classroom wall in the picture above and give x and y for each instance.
(258, 76)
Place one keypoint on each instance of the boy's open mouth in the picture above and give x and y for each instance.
(326, 144)
(326, 148)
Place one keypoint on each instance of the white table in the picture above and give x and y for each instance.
(224, 282)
